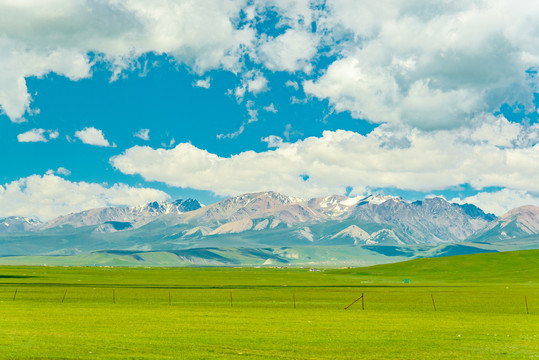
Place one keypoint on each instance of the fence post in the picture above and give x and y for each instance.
(64, 296)
(433, 303)
(15, 295)
(526, 301)
(362, 302)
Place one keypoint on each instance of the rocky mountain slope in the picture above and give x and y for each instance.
(18, 224)
(386, 228)
(521, 222)
(431, 221)
(122, 218)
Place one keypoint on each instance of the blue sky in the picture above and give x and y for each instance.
(309, 98)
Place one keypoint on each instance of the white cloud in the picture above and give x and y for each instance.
(252, 113)
(39, 37)
(292, 84)
(59, 171)
(291, 51)
(143, 134)
(273, 141)
(93, 136)
(253, 82)
(38, 135)
(270, 108)
(203, 83)
(430, 66)
(63, 171)
(500, 202)
(232, 135)
(400, 158)
(256, 83)
(53, 134)
(48, 196)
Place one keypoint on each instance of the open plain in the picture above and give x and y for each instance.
(482, 306)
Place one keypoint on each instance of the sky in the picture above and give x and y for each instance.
(122, 102)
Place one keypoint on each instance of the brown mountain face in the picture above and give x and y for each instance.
(517, 223)
(135, 216)
(285, 209)
(431, 221)
(328, 219)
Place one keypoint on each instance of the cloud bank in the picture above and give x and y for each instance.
(430, 66)
(48, 196)
(495, 154)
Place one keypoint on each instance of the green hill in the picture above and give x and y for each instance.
(504, 267)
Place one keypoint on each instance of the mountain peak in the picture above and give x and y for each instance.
(380, 199)
(270, 196)
(18, 223)
(526, 210)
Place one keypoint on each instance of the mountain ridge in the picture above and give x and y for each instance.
(382, 225)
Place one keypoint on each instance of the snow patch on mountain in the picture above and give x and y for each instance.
(18, 224)
(137, 216)
(307, 234)
(261, 225)
(198, 231)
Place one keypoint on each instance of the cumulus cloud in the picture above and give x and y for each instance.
(292, 84)
(56, 36)
(59, 171)
(63, 171)
(48, 196)
(273, 141)
(402, 158)
(257, 83)
(38, 135)
(291, 51)
(143, 134)
(270, 108)
(203, 83)
(430, 66)
(93, 136)
(500, 202)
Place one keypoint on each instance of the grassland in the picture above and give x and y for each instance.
(126, 313)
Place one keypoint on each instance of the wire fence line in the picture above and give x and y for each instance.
(347, 298)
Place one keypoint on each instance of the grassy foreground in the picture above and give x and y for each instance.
(247, 313)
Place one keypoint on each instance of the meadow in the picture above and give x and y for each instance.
(463, 307)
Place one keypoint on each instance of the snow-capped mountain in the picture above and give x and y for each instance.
(338, 206)
(120, 218)
(18, 224)
(279, 207)
(259, 223)
(430, 221)
(334, 229)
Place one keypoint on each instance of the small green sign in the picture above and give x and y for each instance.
(406, 281)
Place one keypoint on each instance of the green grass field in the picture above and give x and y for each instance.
(124, 313)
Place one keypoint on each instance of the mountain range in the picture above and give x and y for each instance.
(267, 228)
